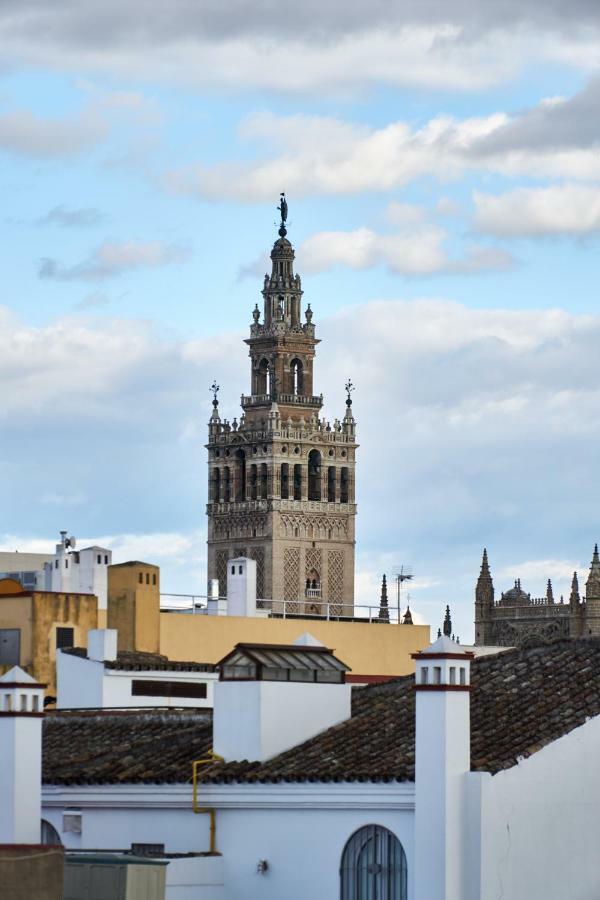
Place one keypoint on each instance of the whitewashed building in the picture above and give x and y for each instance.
(475, 779)
(100, 677)
(78, 571)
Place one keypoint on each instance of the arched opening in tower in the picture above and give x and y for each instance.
(314, 475)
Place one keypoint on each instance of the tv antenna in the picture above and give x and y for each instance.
(401, 574)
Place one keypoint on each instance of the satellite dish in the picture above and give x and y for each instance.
(71, 542)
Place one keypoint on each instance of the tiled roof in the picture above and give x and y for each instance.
(140, 661)
(521, 700)
(98, 747)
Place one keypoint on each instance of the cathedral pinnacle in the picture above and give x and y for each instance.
(447, 623)
(574, 599)
(549, 593)
(596, 557)
(485, 568)
(384, 615)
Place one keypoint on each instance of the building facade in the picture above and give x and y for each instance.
(519, 620)
(282, 479)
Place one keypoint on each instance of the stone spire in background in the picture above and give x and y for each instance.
(447, 627)
(384, 613)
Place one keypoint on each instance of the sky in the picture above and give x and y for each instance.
(442, 167)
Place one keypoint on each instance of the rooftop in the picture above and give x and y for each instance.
(521, 700)
(140, 661)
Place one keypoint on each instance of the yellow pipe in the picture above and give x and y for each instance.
(212, 757)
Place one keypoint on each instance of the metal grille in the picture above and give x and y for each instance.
(373, 866)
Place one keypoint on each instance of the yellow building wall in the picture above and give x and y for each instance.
(56, 610)
(16, 612)
(369, 648)
(134, 605)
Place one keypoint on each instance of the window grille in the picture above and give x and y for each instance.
(373, 866)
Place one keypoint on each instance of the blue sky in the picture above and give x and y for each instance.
(442, 166)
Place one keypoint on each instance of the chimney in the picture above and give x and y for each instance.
(442, 759)
(102, 644)
(21, 714)
(241, 587)
(270, 697)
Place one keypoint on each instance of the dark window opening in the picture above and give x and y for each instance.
(154, 579)
(227, 484)
(344, 485)
(150, 688)
(264, 478)
(147, 577)
(148, 849)
(373, 866)
(314, 475)
(240, 491)
(141, 578)
(216, 485)
(99, 559)
(331, 484)
(253, 482)
(285, 481)
(64, 637)
(298, 481)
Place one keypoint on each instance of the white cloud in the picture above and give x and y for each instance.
(114, 258)
(419, 251)
(25, 134)
(559, 209)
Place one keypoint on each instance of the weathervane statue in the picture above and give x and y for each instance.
(214, 389)
(283, 209)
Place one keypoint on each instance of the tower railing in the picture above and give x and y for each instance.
(286, 399)
(306, 606)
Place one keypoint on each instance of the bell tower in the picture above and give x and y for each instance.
(281, 480)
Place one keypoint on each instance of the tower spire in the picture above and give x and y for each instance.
(574, 599)
(447, 629)
(384, 613)
(549, 593)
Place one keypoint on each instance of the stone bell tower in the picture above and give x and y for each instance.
(281, 480)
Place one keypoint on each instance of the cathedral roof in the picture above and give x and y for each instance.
(515, 595)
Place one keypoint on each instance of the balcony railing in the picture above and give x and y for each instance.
(285, 399)
(306, 607)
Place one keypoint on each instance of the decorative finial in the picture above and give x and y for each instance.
(447, 623)
(596, 557)
(349, 387)
(283, 209)
(308, 314)
(214, 388)
(384, 615)
(256, 313)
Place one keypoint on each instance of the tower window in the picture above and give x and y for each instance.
(298, 481)
(226, 484)
(297, 377)
(285, 481)
(331, 484)
(263, 377)
(314, 475)
(264, 476)
(344, 481)
(253, 482)
(240, 475)
(216, 486)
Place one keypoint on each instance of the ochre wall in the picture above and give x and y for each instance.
(369, 648)
(15, 612)
(31, 872)
(52, 611)
(134, 606)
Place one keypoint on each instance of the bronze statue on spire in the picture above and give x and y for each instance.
(283, 209)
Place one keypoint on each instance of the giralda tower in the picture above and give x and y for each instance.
(282, 479)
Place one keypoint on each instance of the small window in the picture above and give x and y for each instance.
(233, 570)
(452, 677)
(147, 577)
(141, 578)
(154, 578)
(99, 559)
(437, 674)
(155, 688)
(66, 563)
(240, 570)
(64, 637)
(106, 560)
(424, 675)
(35, 703)
(148, 849)
(23, 698)
(463, 675)
(7, 703)
(373, 866)
(56, 564)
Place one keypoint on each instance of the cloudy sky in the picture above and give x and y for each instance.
(442, 165)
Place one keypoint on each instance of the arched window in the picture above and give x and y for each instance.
(331, 484)
(297, 481)
(253, 481)
(227, 484)
(264, 481)
(344, 485)
(263, 377)
(216, 485)
(373, 866)
(297, 373)
(285, 481)
(240, 475)
(314, 475)
(49, 834)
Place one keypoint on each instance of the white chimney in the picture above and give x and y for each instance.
(102, 644)
(241, 587)
(442, 759)
(21, 714)
(270, 697)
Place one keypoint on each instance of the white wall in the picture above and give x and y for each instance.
(78, 682)
(301, 830)
(258, 719)
(540, 823)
